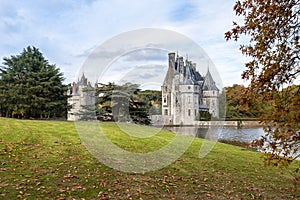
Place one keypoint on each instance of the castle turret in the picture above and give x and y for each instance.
(167, 87)
(83, 94)
(211, 95)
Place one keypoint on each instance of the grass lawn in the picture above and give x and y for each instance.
(47, 160)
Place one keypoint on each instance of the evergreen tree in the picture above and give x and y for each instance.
(153, 100)
(104, 107)
(87, 113)
(30, 87)
(121, 103)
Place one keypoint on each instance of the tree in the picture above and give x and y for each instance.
(237, 107)
(104, 94)
(87, 113)
(122, 100)
(273, 30)
(31, 88)
(121, 103)
(139, 112)
(152, 99)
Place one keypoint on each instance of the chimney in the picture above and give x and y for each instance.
(172, 60)
(181, 64)
(74, 88)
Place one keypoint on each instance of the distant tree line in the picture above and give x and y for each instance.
(232, 105)
(30, 87)
(236, 104)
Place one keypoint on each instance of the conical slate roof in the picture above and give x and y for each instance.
(189, 76)
(209, 83)
(83, 80)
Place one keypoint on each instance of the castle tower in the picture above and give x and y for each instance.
(167, 91)
(210, 95)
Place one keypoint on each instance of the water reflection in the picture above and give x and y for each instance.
(234, 134)
(246, 135)
(242, 135)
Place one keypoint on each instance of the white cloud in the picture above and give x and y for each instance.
(67, 31)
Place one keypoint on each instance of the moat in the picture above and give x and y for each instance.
(228, 133)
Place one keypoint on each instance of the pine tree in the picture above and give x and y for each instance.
(121, 103)
(31, 88)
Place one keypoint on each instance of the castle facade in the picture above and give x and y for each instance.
(185, 93)
(81, 94)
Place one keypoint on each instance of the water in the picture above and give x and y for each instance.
(246, 135)
(232, 133)
(242, 135)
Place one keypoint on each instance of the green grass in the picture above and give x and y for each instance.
(47, 160)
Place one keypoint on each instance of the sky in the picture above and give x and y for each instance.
(69, 32)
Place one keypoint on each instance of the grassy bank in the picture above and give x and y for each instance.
(46, 160)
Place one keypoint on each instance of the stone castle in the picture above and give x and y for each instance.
(81, 94)
(185, 93)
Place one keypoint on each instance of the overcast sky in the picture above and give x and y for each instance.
(68, 31)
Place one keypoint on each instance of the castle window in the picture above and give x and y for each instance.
(189, 99)
(189, 87)
(189, 112)
(166, 89)
(165, 100)
(166, 111)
